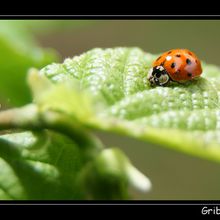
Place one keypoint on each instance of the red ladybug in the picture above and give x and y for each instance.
(179, 65)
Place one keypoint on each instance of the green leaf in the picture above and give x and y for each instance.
(19, 52)
(120, 100)
(39, 166)
(47, 165)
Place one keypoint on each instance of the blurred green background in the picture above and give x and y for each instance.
(173, 175)
(155, 36)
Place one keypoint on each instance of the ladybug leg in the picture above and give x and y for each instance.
(177, 82)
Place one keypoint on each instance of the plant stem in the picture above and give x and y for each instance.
(26, 117)
(30, 117)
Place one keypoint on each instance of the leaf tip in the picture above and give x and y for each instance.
(138, 180)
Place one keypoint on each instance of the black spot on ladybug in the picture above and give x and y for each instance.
(173, 65)
(189, 74)
(169, 52)
(158, 58)
(158, 75)
(178, 55)
(188, 61)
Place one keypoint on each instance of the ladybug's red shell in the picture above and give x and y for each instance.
(181, 64)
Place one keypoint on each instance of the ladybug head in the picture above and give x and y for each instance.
(158, 76)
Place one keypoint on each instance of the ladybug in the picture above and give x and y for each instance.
(178, 65)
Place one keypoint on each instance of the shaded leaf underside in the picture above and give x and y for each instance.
(40, 165)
